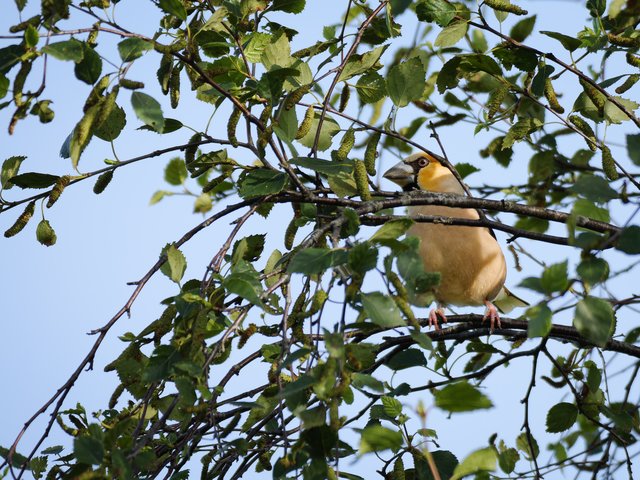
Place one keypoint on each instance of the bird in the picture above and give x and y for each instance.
(469, 259)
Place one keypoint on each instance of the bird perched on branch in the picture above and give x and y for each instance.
(471, 264)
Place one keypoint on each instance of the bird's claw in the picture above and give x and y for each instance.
(433, 317)
(492, 315)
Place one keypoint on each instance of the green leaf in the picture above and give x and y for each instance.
(359, 64)
(90, 67)
(342, 184)
(405, 82)
(360, 380)
(289, 6)
(31, 36)
(132, 48)
(478, 62)
(594, 270)
(539, 320)
(329, 129)
(594, 319)
(4, 86)
(461, 397)
(362, 257)
(371, 87)
(555, 278)
(448, 76)
(567, 42)
(613, 113)
(112, 126)
(507, 459)
(439, 11)
(9, 170)
(629, 240)
(33, 180)
(466, 169)
(522, 442)
(392, 406)
(325, 167)
(312, 261)
(382, 310)
(262, 181)
(561, 417)
(376, 438)
(521, 30)
(392, 230)
(175, 265)
(409, 358)
(67, 50)
(249, 249)
(88, 450)
(451, 34)
(175, 173)
(148, 110)
(594, 188)
(10, 57)
(45, 233)
(246, 284)
(633, 146)
(174, 7)
(213, 44)
(483, 460)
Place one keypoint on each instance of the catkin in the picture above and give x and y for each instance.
(131, 84)
(609, 164)
(305, 126)
(232, 125)
(550, 95)
(57, 190)
(192, 148)
(214, 182)
(594, 95)
(633, 60)
(344, 98)
(362, 180)
(621, 40)
(174, 87)
(505, 6)
(164, 72)
(628, 83)
(586, 129)
(290, 234)
(294, 97)
(346, 144)
(21, 221)
(102, 182)
(371, 153)
(398, 469)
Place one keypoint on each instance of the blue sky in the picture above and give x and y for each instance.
(52, 297)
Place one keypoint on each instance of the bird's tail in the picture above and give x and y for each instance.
(507, 301)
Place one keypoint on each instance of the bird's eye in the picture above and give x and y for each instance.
(423, 162)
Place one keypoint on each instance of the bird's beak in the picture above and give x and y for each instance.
(400, 173)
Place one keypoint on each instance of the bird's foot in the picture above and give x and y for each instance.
(492, 315)
(433, 317)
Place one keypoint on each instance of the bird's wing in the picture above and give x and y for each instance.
(507, 301)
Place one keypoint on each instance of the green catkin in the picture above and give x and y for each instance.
(174, 87)
(106, 107)
(594, 95)
(131, 84)
(57, 190)
(294, 97)
(609, 164)
(621, 40)
(96, 93)
(633, 60)
(346, 144)
(192, 148)
(550, 95)
(21, 221)
(344, 98)
(263, 138)
(586, 129)
(505, 6)
(398, 285)
(18, 83)
(92, 39)
(628, 83)
(113, 400)
(405, 308)
(371, 153)
(102, 182)
(362, 180)
(495, 101)
(232, 125)
(290, 234)
(214, 182)
(305, 126)
(22, 26)
(164, 72)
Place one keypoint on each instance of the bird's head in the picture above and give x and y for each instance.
(424, 172)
